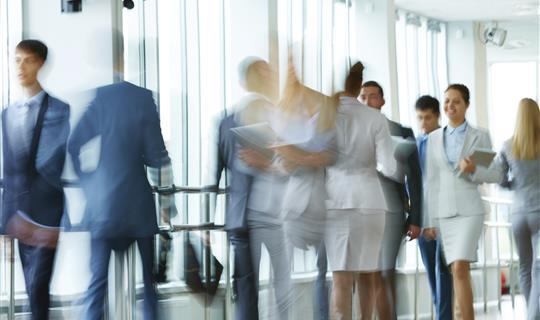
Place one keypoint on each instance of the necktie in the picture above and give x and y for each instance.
(422, 153)
(26, 126)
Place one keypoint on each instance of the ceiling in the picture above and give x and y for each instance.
(474, 10)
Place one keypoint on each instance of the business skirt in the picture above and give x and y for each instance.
(353, 239)
(460, 236)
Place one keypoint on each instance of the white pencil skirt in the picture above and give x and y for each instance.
(460, 236)
(354, 240)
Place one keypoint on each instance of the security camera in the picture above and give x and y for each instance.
(495, 36)
(71, 6)
(128, 4)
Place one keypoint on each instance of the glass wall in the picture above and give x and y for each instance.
(421, 61)
(504, 95)
(187, 53)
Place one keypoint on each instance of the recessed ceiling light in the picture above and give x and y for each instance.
(525, 8)
(517, 44)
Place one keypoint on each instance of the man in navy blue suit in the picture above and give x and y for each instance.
(244, 282)
(120, 206)
(440, 279)
(35, 132)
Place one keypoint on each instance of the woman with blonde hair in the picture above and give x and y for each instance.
(520, 160)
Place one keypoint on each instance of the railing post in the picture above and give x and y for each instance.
(416, 276)
(206, 251)
(119, 286)
(11, 310)
(498, 258)
(512, 293)
(131, 300)
(484, 268)
(227, 273)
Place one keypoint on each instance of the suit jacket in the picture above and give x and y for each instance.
(447, 194)
(240, 183)
(362, 142)
(119, 197)
(405, 198)
(39, 194)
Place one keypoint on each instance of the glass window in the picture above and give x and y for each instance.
(419, 40)
(505, 94)
(421, 70)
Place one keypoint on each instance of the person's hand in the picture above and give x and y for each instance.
(254, 159)
(286, 152)
(288, 166)
(430, 233)
(467, 165)
(413, 232)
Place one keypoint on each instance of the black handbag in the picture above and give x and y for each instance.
(196, 278)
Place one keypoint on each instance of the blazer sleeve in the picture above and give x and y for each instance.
(384, 150)
(86, 129)
(414, 185)
(154, 152)
(431, 185)
(502, 161)
(493, 174)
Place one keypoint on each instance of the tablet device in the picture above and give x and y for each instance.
(259, 137)
(482, 157)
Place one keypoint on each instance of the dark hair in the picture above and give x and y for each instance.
(34, 46)
(353, 82)
(374, 84)
(463, 90)
(428, 103)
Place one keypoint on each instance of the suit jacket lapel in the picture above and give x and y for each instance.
(442, 152)
(470, 138)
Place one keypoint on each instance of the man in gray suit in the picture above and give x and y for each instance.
(244, 283)
(404, 199)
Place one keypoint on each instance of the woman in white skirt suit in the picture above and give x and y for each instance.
(356, 203)
(454, 203)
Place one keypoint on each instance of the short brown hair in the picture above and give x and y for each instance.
(34, 46)
(374, 84)
(462, 89)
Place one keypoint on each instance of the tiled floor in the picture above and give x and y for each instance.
(507, 312)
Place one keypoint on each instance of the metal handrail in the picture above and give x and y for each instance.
(128, 282)
(210, 226)
(162, 190)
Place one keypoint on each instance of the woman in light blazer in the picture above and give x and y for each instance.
(520, 160)
(454, 204)
(356, 203)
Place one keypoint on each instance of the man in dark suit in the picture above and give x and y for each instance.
(35, 132)
(404, 201)
(120, 206)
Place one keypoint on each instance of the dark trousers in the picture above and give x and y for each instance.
(99, 265)
(321, 287)
(439, 276)
(244, 282)
(37, 264)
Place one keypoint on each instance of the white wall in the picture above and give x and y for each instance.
(80, 44)
(467, 64)
(80, 58)
(249, 36)
(375, 36)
